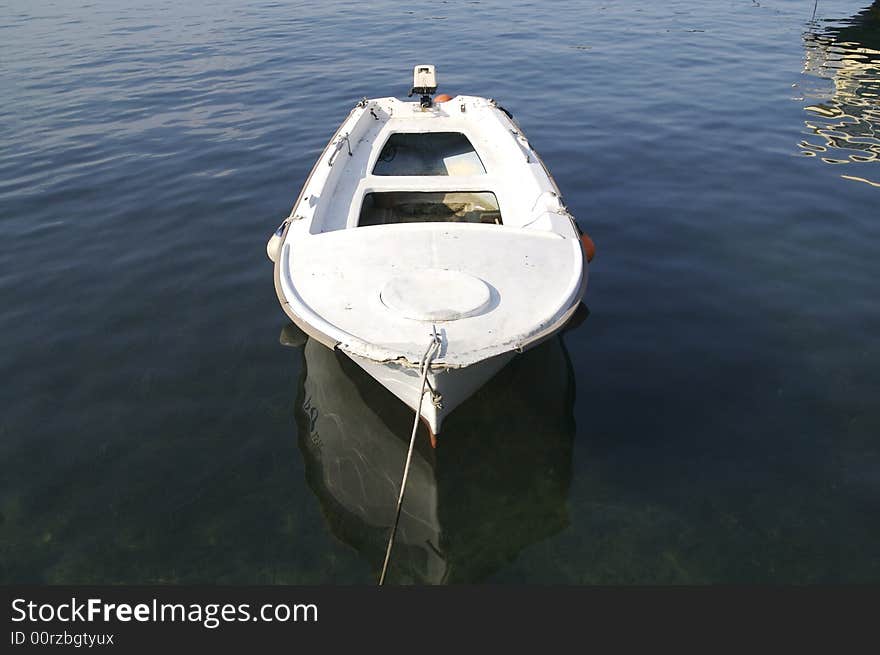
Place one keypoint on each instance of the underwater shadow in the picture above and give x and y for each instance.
(497, 482)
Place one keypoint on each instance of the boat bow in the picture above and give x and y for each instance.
(375, 291)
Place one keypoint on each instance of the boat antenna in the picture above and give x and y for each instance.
(425, 366)
(424, 83)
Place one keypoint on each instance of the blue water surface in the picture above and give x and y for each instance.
(717, 414)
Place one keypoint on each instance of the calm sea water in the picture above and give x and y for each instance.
(715, 419)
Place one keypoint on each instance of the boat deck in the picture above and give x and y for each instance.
(499, 286)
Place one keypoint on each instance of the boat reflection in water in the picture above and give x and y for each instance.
(497, 482)
(845, 53)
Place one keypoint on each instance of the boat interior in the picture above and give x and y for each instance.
(428, 153)
(454, 164)
(389, 207)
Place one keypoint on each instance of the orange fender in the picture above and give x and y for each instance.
(588, 246)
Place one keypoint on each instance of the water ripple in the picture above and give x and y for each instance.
(844, 58)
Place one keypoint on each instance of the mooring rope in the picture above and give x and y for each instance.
(425, 365)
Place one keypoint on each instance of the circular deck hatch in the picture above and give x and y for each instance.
(433, 294)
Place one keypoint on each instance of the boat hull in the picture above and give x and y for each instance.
(448, 386)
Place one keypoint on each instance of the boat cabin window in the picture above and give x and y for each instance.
(388, 207)
(428, 153)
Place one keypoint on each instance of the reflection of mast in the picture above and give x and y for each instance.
(847, 122)
(497, 483)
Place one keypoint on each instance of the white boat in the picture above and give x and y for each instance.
(429, 221)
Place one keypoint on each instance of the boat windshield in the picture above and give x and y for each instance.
(428, 153)
(389, 207)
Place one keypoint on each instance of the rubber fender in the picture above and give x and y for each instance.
(588, 246)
